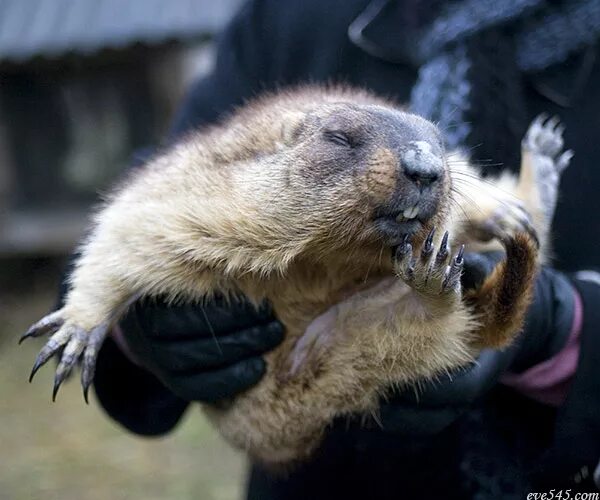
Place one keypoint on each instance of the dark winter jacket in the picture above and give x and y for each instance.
(514, 445)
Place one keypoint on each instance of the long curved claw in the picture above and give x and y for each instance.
(427, 249)
(86, 389)
(94, 342)
(454, 272)
(55, 388)
(39, 361)
(70, 356)
(52, 346)
(48, 324)
(443, 252)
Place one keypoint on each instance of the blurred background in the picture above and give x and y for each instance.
(84, 84)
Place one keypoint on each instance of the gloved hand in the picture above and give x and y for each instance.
(202, 352)
(440, 402)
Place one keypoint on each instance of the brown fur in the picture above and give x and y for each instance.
(263, 205)
(502, 300)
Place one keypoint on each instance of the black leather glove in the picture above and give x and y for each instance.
(202, 352)
(439, 403)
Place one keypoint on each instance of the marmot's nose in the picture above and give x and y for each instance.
(420, 164)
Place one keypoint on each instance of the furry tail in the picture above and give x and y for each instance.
(502, 301)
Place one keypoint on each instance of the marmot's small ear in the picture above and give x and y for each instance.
(291, 127)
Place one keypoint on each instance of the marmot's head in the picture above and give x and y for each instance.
(367, 172)
(321, 174)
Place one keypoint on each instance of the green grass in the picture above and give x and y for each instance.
(68, 450)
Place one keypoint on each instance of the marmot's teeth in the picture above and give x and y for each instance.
(410, 212)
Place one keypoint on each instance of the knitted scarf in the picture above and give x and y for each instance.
(473, 57)
(473, 54)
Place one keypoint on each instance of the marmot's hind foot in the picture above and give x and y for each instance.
(429, 272)
(509, 218)
(544, 162)
(73, 342)
(545, 137)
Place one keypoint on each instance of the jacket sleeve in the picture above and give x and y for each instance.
(576, 449)
(133, 396)
(129, 394)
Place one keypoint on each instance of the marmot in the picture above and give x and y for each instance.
(310, 198)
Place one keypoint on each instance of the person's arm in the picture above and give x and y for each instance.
(133, 396)
(575, 453)
(547, 329)
(560, 345)
(161, 357)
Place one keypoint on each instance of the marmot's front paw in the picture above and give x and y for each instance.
(75, 342)
(430, 273)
